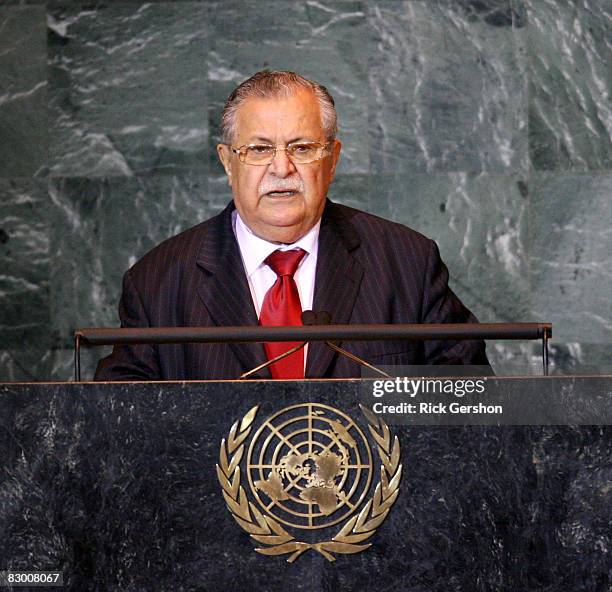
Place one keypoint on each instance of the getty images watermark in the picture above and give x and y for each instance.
(470, 396)
(417, 388)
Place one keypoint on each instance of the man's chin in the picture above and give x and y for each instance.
(282, 212)
(282, 230)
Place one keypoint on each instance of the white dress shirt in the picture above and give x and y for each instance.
(255, 250)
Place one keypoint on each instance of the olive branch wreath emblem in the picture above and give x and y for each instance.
(267, 531)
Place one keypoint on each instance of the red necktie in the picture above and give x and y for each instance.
(281, 306)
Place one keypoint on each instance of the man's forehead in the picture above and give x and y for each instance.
(294, 114)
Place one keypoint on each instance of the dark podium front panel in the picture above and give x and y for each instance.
(116, 486)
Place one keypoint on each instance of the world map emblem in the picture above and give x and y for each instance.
(309, 469)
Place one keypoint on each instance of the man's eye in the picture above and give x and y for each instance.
(260, 149)
(301, 148)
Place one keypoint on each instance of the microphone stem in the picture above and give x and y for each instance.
(272, 361)
(348, 354)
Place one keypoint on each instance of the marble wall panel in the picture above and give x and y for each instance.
(42, 365)
(524, 358)
(23, 91)
(323, 41)
(570, 113)
(219, 190)
(128, 89)
(517, 358)
(581, 358)
(25, 365)
(479, 223)
(352, 191)
(448, 86)
(24, 264)
(571, 254)
(100, 227)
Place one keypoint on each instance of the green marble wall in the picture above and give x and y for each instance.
(486, 124)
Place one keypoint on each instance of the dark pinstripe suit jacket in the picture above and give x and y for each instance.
(369, 270)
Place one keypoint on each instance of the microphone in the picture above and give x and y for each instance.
(310, 317)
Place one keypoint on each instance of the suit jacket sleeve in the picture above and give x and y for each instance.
(130, 362)
(441, 305)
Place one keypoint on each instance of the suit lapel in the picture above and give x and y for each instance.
(337, 281)
(224, 289)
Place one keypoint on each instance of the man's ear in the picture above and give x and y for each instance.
(223, 150)
(335, 155)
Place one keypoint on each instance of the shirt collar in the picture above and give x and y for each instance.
(254, 250)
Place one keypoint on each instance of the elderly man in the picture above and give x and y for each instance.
(281, 247)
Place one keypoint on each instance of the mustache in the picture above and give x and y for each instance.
(281, 185)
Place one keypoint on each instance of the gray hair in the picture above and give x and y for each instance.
(267, 84)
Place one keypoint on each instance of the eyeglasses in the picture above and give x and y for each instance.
(297, 152)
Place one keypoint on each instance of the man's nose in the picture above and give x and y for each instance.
(281, 164)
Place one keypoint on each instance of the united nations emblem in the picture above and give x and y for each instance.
(309, 469)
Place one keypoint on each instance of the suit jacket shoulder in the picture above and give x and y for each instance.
(396, 259)
(393, 274)
(375, 233)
